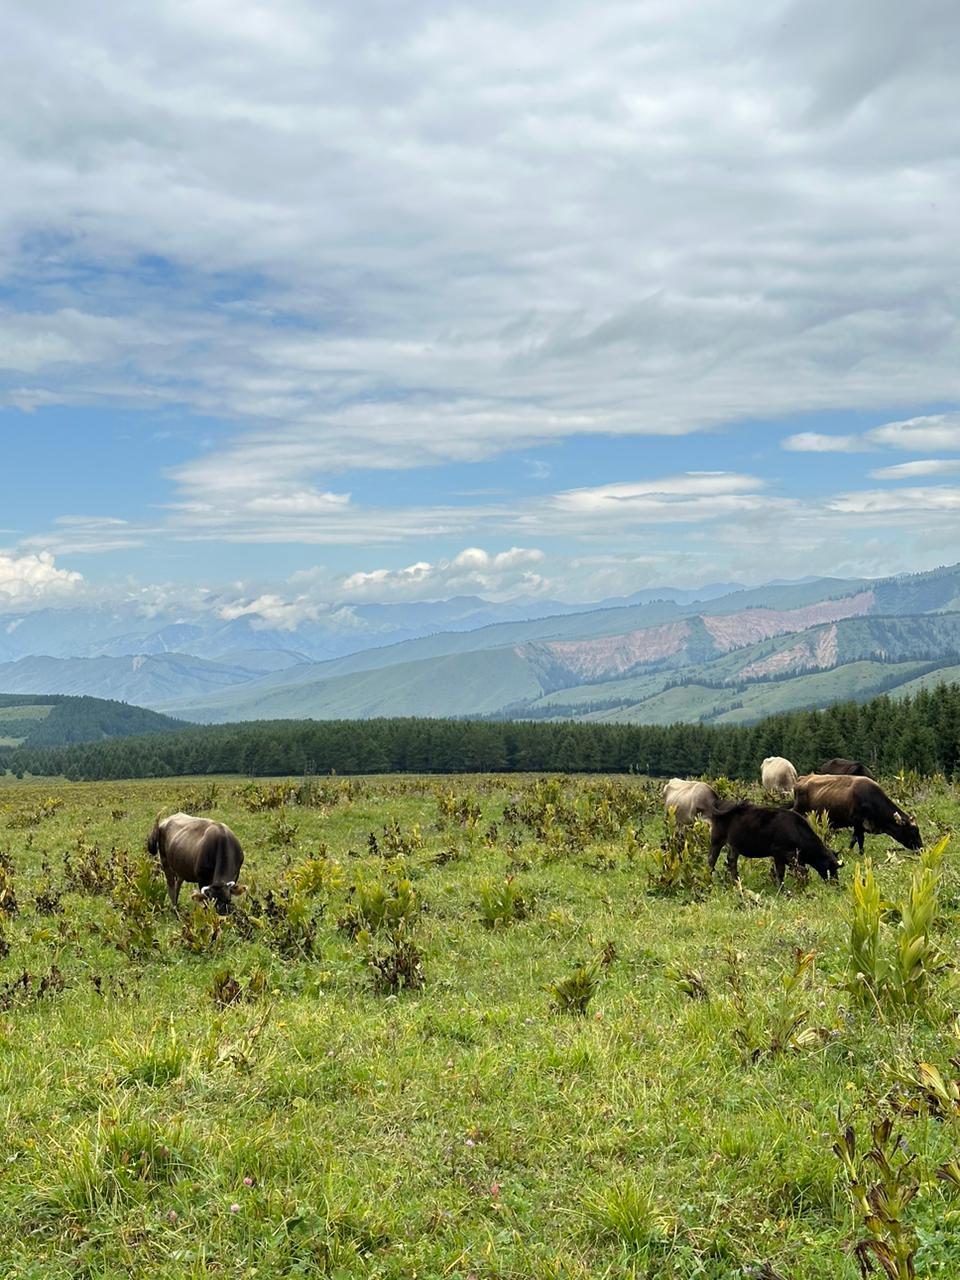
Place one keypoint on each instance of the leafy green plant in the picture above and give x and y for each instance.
(502, 902)
(917, 955)
(379, 904)
(33, 815)
(394, 960)
(770, 1027)
(906, 980)
(881, 1186)
(679, 866)
(85, 869)
(865, 967)
(317, 875)
(284, 919)
(225, 989)
(200, 799)
(257, 796)
(8, 896)
(572, 993)
(628, 1211)
(282, 831)
(200, 928)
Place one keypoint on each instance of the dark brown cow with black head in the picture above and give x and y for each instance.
(201, 852)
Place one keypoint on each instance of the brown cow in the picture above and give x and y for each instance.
(850, 768)
(859, 803)
(202, 852)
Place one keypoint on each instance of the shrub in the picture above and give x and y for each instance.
(679, 866)
(502, 902)
(573, 993)
(381, 905)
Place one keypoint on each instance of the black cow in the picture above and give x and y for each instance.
(758, 831)
(859, 803)
(847, 768)
(202, 852)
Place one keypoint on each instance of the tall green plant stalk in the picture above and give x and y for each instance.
(865, 965)
(881, 1187)
(917, 954)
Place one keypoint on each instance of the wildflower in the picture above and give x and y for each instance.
(234, 1208)
(494, 1189)
(172, 1215)
(248, 1181)
(469, 1143)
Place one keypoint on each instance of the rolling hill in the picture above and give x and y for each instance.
(42, 720)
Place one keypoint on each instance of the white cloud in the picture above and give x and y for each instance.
(271, 610)
(498, 575)
(696, 495)
(34, 581)
(939, 431)
(302, 502)
(913, 470)
(818, 442)
(925, 502)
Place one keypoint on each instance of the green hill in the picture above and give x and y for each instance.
(55, 720)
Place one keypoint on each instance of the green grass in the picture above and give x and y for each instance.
(244, 1103)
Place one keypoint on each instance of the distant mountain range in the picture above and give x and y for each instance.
(720, 654)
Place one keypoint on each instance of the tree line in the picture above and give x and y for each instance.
(920, 732)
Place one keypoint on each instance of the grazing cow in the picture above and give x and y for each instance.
(760, 831)
(848, 768)
(202, 852)
(859, 803)
(778, 774)
(691, 800)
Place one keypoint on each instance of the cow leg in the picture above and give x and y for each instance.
(174, 884)
(716, 844)
(732, 859)
(779, 867)
(858, 835)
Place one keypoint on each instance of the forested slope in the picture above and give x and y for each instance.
(922, 733)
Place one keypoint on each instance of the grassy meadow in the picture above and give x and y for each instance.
(470, 1027)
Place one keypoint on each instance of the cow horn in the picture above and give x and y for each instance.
(230, 884)
(204, 888)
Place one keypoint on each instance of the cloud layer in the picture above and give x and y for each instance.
(381, 239)
(377, 239)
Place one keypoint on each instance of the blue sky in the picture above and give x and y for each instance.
(567, 301)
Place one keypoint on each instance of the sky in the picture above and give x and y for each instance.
(372, 302)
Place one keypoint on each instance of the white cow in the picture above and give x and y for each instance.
(778, 774)
(691, 800)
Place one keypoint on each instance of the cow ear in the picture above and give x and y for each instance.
(237, 890)
(197, 895)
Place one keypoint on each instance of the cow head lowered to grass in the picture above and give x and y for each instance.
(859, 803)
(198, 851)
(759, 831)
